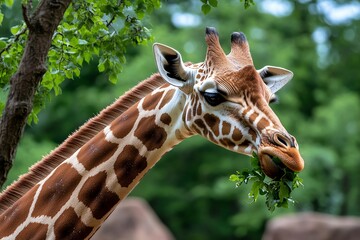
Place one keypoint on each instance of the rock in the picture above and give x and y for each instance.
(133, 219)
(312, 226)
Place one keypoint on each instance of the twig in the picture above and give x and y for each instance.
(111, 20)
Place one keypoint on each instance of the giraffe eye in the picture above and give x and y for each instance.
(213, 99)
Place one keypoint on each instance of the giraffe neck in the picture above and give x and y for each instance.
(78, 195)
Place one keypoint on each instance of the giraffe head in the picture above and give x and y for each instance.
(227, 101)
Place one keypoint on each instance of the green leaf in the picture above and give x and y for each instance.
(284, 191)
(2, 106)
(2, 44)
(57, 90)
(73, 41)
(79, 60)
(205, 8)
(234, 177)
(96, 51)
(47, 81)
(87, 56)
(254, 192)
(113, 78)
(101, 66)
(1, 18)
(82, 42)
(15, 29)
(247, 3)
(297, 182)
(9, 3)
(69, 74)
(213, 3)
(77, 72)
(33, 118)
(254, 162)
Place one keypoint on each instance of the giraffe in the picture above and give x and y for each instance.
(71, 192)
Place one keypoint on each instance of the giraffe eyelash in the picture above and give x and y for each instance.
(264, 72)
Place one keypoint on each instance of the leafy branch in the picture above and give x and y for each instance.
(208, 4)
(277, 192)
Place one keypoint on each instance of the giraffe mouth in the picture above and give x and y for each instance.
(272, 166)
(275, 162)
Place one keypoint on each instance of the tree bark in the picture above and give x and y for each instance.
(23, 84)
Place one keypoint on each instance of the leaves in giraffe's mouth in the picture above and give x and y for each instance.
(277, 192)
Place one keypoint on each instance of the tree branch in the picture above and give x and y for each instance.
(25, 13)
(25, 81)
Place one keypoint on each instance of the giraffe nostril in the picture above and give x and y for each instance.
(282, 140)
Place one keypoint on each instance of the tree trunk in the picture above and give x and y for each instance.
(23, 84)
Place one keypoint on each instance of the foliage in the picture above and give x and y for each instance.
(89, 29)
(277, 192)
(208, 4)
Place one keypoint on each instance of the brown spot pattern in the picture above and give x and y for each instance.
(253, 117)
(151, 100)
(164, 86)
(56, 191)
(263, 123)
(125, 122)
(193, 104)
(33, 231)
(246, 111)
(245, 144)
(95, 195)
(128, 165)
(167, 98)
(227, 142)
(252, 133)
(237, 135)
(197, 130)
(17, 214)
(212, 137)
(213, 122)
(165, 118)
(226, 127)
(200, 123)
(188, 114)
(199, 109)
(69, 226)
(96, 151)
(150, 134)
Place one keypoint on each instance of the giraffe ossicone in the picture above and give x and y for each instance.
(72, 191)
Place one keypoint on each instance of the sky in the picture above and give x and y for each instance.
(335, 14)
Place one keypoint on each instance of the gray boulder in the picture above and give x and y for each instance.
(312, 226)
(133, 219)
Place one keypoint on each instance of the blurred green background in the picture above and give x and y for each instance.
(189, 188)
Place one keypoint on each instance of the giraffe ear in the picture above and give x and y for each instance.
(275, 77)
(172, 68)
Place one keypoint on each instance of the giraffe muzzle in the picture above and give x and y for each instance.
(280, 152)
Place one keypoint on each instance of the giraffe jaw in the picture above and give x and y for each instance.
(273, 161)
